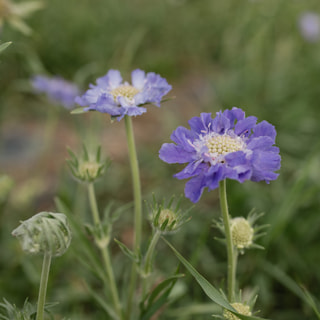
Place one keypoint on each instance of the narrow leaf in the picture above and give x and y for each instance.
(209, 289)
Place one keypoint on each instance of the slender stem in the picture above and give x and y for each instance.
(148, 260)
(137, 208)
(136, 183)
(93, 205)
(104, 251)
(43, 285)
(230, 248)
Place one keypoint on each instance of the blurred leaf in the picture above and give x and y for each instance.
(290, 284)
(158, 297)
(102, 302)
(4, 46)
(78, 111)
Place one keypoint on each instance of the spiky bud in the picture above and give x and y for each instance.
(87, 168)
(45, 232)
(166, 219)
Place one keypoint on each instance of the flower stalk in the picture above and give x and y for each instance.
(104, 250)
(43, 285)
(137, 204)
(231, 252)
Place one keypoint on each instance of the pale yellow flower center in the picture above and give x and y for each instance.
(126, 91)
(240, 307)
(88, 169)
(241, 232)
(167, 214)
(223, 144)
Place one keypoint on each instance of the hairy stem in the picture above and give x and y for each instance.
(104, 251)
(137, 207)
(43, 285)
(230, 248)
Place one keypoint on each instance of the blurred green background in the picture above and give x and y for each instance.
(217, 54)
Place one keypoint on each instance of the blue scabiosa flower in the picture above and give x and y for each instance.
(57, 89)
(112, 95)
(229, 146)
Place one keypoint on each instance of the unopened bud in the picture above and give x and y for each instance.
(241, 232)
(45, 232)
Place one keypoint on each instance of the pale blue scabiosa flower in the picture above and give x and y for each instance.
(113, 96)
(229, 146)
(309, 24)
(57, 89)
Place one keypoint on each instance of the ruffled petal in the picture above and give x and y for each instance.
(262, 143)
(171, 153)
(201, 124)
(264, 128)
(184, 137)
(138, 78)
(110, 81)
(220, 124)
(194, 188)
(244, 127)
(234, 114)
(194, 168)
(264, 164)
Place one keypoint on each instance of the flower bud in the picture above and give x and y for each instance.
(166, 219)
(45, 232)
(85, 168)
(241, 233)
(240, 307)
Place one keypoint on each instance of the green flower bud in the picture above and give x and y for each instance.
(45, 232)
(241, 233)
(240, 307)
(85, 168)
(166, 219)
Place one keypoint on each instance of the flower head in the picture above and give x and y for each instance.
(45, 232)
(112, 95)
(309, 24)
(57, 89)
(229, 146)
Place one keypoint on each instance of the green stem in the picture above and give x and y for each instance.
(136, 183)
(104, 251)
(137, 207)
(43, 285)
(230, 247)
(148, 259)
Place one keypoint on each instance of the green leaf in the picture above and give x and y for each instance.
(209, 289)
(78, 111)
(129, 253)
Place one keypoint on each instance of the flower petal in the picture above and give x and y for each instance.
(138, 78)
(172, 153)
(110, 81)
(245, 126)
(194, 188)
